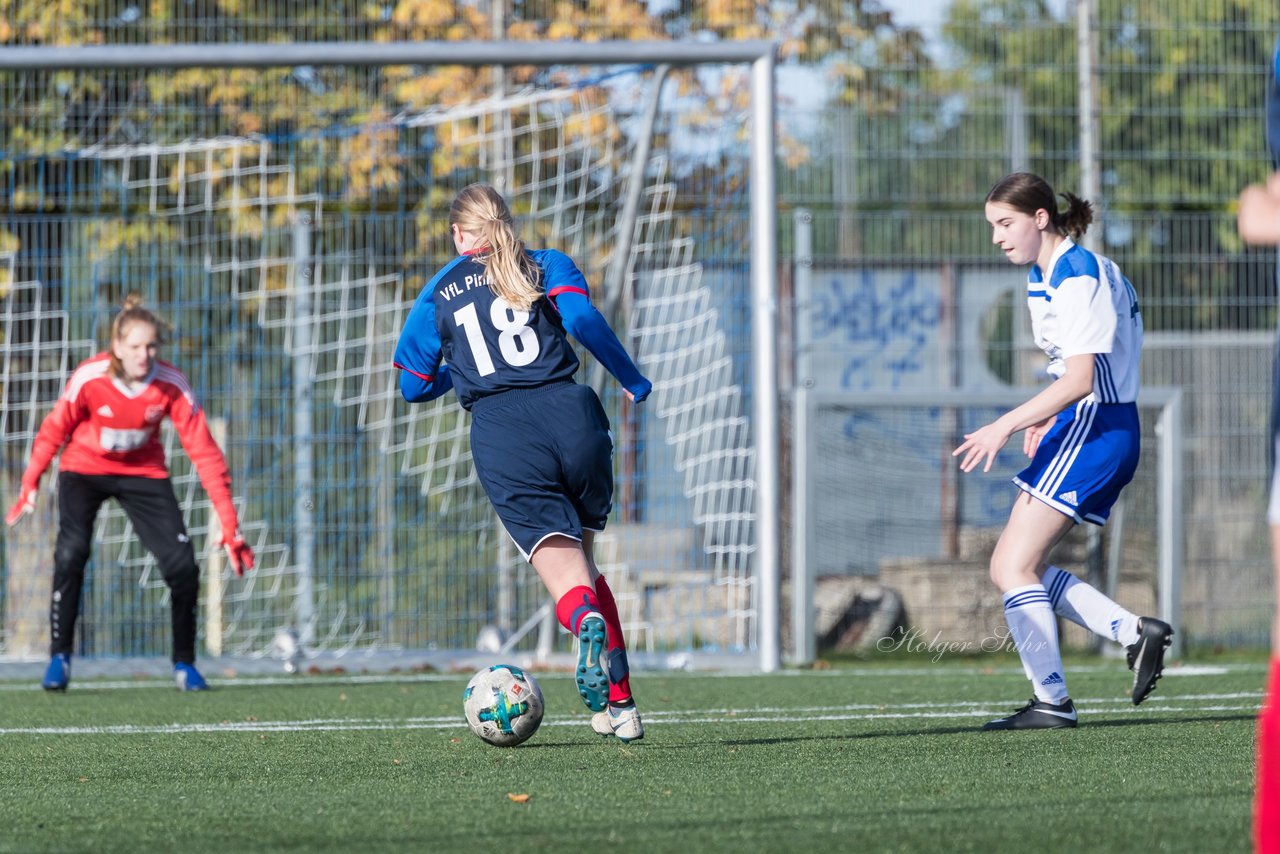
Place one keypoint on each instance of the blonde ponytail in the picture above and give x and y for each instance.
(479, 209)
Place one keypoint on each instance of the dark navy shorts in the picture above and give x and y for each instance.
(1086, 458)
(545, 459)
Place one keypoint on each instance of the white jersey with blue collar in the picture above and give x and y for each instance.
(1087, 306)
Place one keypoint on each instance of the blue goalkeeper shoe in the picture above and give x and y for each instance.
(593, 683)
(58, 674)
(188, 678)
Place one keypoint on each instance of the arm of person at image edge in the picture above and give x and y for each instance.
(1258, 219)
(1258, 214)
(193, 431)
(1088, 338)
(417, 355)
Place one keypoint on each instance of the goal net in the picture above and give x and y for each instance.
(883, 510)
(286, 262)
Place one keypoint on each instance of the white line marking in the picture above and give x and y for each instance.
(851, 712)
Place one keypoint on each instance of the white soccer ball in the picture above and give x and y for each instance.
(503, 705)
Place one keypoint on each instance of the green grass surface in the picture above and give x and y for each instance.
(874, 757)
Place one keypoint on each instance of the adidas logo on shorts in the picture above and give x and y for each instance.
(1070, 498)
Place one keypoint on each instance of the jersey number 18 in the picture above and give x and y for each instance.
(517, 342)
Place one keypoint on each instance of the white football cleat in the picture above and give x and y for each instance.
(621, 721)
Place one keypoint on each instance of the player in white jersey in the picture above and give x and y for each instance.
(1081, 433)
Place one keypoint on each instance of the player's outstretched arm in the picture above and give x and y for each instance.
(211, 466)
(54, 431)
(585, 323)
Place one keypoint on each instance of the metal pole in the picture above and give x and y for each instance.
(1087, 84)
(802, 335)
(1169, 431)
(802, 584)
(303, 432)
(764, 341)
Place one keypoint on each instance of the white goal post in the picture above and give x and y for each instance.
(764, 547)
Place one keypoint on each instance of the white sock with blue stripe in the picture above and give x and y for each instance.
(1086, 605)
(1034, 630)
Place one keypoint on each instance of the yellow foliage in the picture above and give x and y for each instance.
(369, 160)
(794, 153)
(246, 221)
(423, 14)
(562, 29)
(6, 31)
(107, 237)
(436, 87)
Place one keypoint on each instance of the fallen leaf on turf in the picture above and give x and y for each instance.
(520, 799)
(86, 779)
(395, 761)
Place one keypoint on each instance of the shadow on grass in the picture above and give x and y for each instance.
(977, 727)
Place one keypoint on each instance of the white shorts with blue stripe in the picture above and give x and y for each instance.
(1084, 461)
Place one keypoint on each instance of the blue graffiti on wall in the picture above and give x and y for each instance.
(888, 327)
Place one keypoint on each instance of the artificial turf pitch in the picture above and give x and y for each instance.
(884, 756)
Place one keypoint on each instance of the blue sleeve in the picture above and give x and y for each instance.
(417, 355)
(585, 323)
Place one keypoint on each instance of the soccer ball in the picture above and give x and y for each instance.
(503, 705)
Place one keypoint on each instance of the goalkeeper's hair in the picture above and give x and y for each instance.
(132, 312)
(480, 209)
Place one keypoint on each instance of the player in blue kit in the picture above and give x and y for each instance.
(491, 326)
(1083, 439)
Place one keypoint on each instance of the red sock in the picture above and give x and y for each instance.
(1266, 814)
(619, 691)
(575, 605)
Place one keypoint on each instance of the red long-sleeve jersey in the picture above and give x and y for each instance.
(110, 428)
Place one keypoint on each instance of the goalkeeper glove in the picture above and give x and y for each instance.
(25, 504)
(238, 553)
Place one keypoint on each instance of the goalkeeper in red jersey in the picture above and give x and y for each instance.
(1259, 222)
(107, 426)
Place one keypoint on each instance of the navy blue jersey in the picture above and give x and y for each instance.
(489, 346)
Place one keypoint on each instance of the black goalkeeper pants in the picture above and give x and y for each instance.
(153, 509)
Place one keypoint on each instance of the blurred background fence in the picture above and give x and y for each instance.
(893, 121)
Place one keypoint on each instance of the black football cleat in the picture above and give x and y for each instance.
(1037, 714)
(1146, 657)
